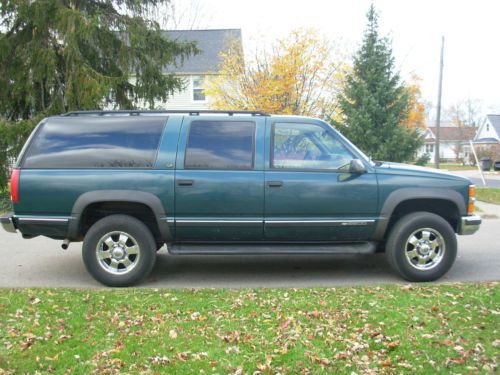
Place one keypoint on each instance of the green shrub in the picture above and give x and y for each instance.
(5, 204)
(423, 159)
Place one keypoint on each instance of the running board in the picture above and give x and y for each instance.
(265, 249)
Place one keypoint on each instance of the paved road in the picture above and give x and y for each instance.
(41, 262)
(492, 178)
(489, 182)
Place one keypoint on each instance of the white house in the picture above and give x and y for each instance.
(487, 140)
(489, 132)
(453, 142)
(195, 69)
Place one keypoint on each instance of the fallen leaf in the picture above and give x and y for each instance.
(35, 300)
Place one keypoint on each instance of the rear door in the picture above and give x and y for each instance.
(310, 195)
(219, 182)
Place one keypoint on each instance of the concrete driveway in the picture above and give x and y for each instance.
(40, 262)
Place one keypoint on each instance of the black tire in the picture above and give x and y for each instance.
(137, 248)
(421, 237)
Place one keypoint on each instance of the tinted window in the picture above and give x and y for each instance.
(220, 145)
(307, 146)
(110, 142)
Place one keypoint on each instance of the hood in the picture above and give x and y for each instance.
(416, 170)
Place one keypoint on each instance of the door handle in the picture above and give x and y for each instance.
(185, 182)
(275, 183)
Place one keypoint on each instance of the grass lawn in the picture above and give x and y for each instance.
(452, 166)
(491, 195)
(391, 329)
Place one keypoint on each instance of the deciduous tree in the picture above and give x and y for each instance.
(416, 106)
(299, 75)
(466, 112)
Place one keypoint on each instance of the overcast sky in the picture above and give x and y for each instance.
(471, 30)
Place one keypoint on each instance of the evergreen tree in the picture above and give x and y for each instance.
(374, 102)
(57, 56)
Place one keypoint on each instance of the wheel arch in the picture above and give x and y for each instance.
(446, 203)
(132, 197)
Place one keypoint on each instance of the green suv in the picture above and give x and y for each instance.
(228, 182)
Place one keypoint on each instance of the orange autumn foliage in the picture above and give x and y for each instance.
(297, 76)
(416, 113)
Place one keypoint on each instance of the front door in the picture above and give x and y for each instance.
(219, 193)
(310, 195)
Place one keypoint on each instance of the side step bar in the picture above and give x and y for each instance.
(268, 249)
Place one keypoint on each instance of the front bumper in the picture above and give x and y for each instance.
(469, 224)
(7, 222)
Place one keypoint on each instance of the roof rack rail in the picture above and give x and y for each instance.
(132, 112)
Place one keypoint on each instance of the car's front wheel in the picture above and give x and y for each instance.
(421, 246)
(119, 250)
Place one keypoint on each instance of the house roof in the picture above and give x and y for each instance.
(210, 43)
(486, 140)
(454, 133)
(495, 122)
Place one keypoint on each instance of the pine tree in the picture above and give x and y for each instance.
(374, 102)
(57, 56)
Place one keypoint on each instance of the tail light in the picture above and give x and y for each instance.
(472, 199)
(14, 186)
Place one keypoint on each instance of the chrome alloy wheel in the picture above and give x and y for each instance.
(117, 252)
(425, 248)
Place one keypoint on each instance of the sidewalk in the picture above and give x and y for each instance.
(488, 210)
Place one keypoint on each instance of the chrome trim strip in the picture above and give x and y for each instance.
(206, 222)
(320, 222)
(189, 222)
(29, 219)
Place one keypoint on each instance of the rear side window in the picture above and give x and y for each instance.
(109, 142)
(220, 145)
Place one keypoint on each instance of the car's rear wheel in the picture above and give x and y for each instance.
(119, 250)
(421, 246)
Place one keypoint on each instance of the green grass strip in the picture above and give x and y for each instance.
(389, 329)
(490, 195)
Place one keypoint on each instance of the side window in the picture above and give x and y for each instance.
(90, 142)
(307, 146)
(198, 92)
(220, 145)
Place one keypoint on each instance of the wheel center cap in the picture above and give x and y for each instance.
(118, 252)
(424, 248)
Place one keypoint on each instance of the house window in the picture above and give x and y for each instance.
(429, 149)
(198, 91)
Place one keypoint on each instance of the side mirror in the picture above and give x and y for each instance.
(357, 166)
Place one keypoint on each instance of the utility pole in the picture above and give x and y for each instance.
(438, 116)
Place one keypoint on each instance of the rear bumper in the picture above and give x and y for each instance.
(7, 222)
(469, 224)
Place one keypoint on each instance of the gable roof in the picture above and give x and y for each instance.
(454, 133)
(495, 122)
(210, 43)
